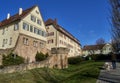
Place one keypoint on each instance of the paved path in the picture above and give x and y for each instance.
(112, 76)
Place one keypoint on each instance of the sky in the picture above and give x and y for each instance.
(87, 20)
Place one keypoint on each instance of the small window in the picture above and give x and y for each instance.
(51, 34)
(10, 43)
(38, 22)
(33, 18)
(26, 26)
(41, 44)
(31, 28)
(35, 43)
(25, 41)
(16, 26)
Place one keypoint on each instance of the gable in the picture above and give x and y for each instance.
(35, 13)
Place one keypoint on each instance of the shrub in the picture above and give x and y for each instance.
(75, 60)
(46, 55)
(40, 56)
(12, 59)
(99, 57)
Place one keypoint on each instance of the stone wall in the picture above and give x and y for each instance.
(56, 60)
(28, 51)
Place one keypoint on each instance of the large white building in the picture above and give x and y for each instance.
(59, 37)
(23, 33)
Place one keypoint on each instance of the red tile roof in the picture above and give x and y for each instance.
(93, 47)
(61, 29)
(16, 17)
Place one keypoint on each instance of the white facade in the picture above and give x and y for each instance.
(59, 39)
(24, 34)
(10, 32)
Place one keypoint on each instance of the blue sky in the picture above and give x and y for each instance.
(87, 20)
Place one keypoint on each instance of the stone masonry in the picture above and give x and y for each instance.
(57, 59)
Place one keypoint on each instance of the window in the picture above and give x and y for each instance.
(16, 26)
(51, 34)
(3, 31)
(50, 41)
(41, 44)
(10, 43)
(3, 44)
(31, 28)
(38, 22)
(33, 18)
(26, 26)
(43, 34)
(35, 30)
(25, 41)
(35, 43)
(39, 32)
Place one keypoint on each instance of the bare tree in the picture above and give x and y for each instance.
(100, 41)
(115, 22)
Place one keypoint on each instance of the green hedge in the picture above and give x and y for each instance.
(40, 56)
(99, 57)
(12, 59)
(75, 60)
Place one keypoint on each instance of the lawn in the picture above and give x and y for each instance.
(85, 72)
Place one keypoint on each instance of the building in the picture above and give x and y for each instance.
(59, 37)
(97, 49)
(23, 33)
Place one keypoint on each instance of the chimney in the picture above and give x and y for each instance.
(20, 11)
(8, 15)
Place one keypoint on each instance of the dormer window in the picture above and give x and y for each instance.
(33, 18)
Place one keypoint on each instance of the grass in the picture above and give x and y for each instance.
(85, 72)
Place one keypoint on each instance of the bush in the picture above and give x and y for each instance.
(40, 56)
(99, 57)
(75, 60)
(46, 55)
(12, 59)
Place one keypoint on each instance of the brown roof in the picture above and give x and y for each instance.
(61, 29)
(16, 17)
(93, 47)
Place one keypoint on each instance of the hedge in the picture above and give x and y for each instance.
(75, 60)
